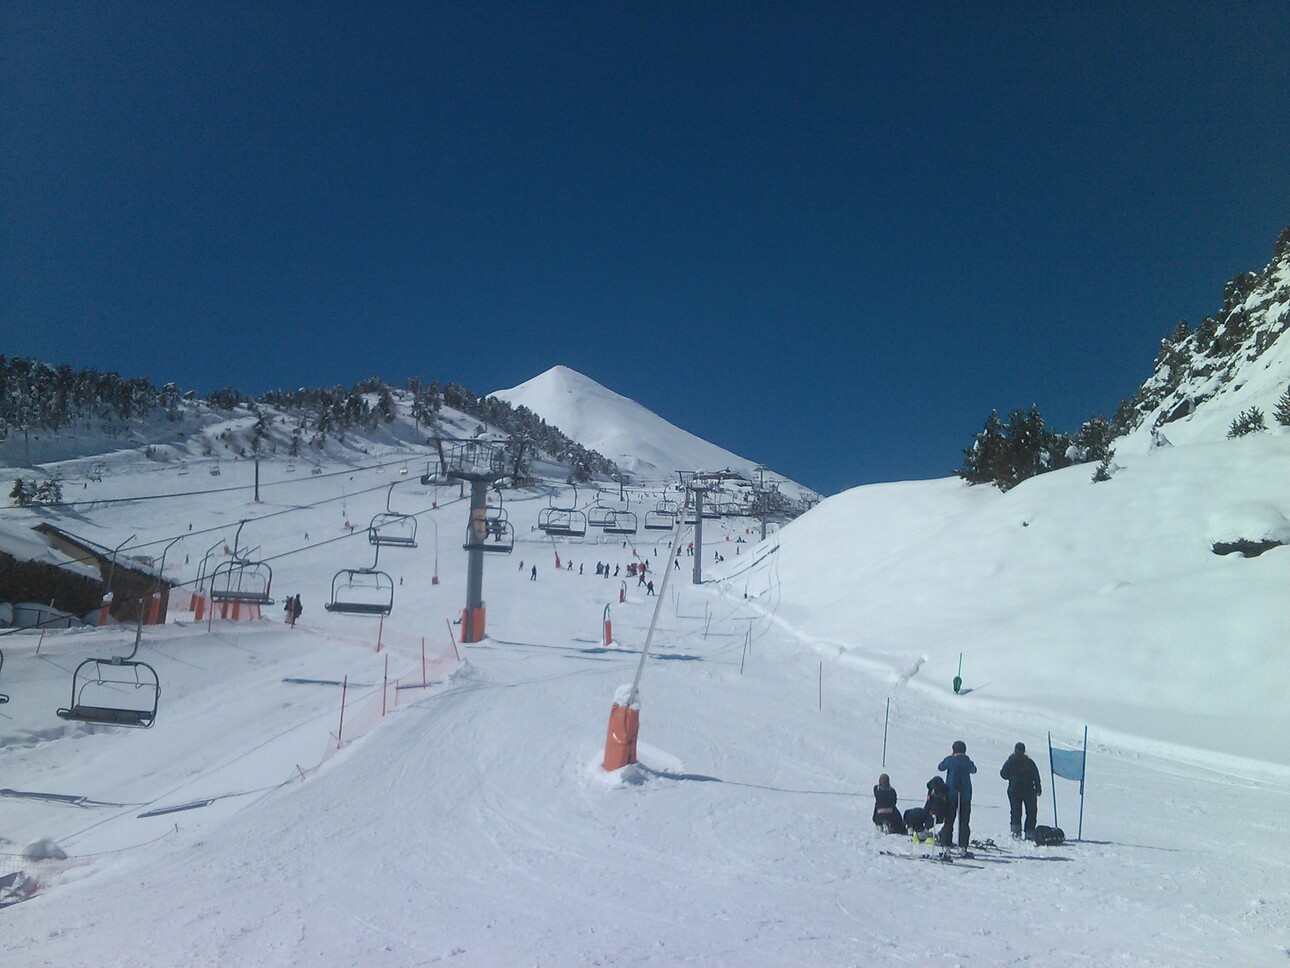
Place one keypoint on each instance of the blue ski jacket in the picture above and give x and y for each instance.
(958, 776)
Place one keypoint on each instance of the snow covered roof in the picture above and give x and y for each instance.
(25, 544)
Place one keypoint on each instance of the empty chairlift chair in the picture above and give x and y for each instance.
(390, 529)
(563, 521)
(361, 591)
(621, 522)
(240, 581)
(663, 517)
(114, 691)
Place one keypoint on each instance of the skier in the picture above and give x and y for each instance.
(958, 782)
(1024, 788)
(533, 574)
(649, 588)
(885, 815)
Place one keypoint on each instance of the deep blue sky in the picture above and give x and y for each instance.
(831, 237)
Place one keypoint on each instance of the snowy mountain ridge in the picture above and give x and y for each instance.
(1233, 361)
(640, 441)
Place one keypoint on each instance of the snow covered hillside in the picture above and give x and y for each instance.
(637, 439)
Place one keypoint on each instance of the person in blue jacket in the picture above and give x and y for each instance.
(958, 781)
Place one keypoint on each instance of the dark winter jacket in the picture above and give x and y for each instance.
(1022, 775)
(938, 798)
(958, 776)
(884, 803)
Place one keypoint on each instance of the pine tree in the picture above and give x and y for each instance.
(1282, 412)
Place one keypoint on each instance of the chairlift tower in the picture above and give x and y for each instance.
(482, 462)
(697, 485)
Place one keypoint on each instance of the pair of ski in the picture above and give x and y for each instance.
(943, 858)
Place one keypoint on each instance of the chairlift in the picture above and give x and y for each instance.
(316, 470)
(241, 580)
(621, 522)
(215, 469)
(663, 517)
(291, 467)
(361, 591)
(115, 691)
(98, 470)
(389, 528)
(598, 515)
(403, 471)
(183, 469)
(489, 530)
(563, 522)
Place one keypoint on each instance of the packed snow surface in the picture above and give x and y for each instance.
(459, 815)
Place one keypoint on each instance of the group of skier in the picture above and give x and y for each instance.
(949, 799)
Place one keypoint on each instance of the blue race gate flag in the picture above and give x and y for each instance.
(1069, 765)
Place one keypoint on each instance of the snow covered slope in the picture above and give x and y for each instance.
(637, 439)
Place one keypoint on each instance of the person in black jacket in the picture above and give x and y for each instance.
(885, 815)
(1024, 789)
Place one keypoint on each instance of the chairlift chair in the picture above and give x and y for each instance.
(242, 581)
(489, 530)
(316, 471)
(563, 522)
(657, 520)
(291, 467)
(598, 515)
(621, 522)
(115, 691)
(361, 591)
(392, 529)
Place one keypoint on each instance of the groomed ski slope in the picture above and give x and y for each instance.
(472, 826)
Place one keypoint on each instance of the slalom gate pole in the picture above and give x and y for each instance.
(423, 662)
(1083, 771)
(385, 684)
(885, 720)
(821, 699)
(452, 638)
(1052, 779)
(340, 730)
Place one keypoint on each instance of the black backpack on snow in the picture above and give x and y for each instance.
(1048, 836)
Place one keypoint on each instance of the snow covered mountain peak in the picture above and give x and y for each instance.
(638, 440)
